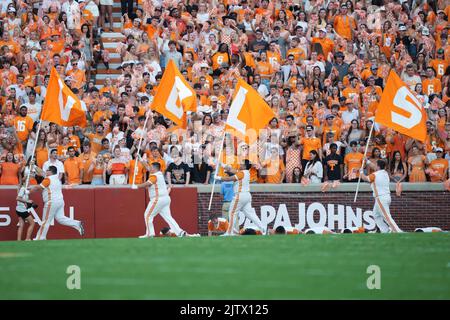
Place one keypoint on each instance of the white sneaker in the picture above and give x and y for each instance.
(145, 236)
(81, 229)
(193, 235)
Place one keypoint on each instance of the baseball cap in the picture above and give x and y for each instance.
(374, 67)
(310, 97)
(348, 101)
(214, 98)
(23, 106)
(402, 28)
(440, 51)
(353, 143)
(330, 116)
(323, 30)
(439, 149)
(11, 9)
(309, 127)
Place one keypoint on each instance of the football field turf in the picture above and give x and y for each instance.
(412, 266)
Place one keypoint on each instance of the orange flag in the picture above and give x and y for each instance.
(400, 110)
(174, 96)
(61, 105)
(248, 114)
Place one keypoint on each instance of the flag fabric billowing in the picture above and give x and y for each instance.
(174, 96)
(61, 105)
(400, 110)
(248, 113)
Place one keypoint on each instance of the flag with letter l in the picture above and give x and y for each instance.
(61, 105)
(248, 111)
(400, 110)
(174, 96)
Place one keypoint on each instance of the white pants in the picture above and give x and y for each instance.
(160, 205)
(54, 210)
(242, 202)
(382, 215)
(117, 179)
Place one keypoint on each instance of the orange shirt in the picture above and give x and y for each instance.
(72, 167)
(140, 174)
(310, 144)
(431, 86)
(353, 161)
(343, 25)
(9, 175)
(41, 156)
(441, 167)
(249, 61)
(351, 93)
(151, 159)
(222, 226)
(334, 129)
(264, 69)
(219, 58)
(23, 126)
(86, 160)
(326, 44)
(273, 58)
(274, 171)
(62, 150)
(79, 78)
(74, 141)
(298, 53)
(96, 142)
(439, 66)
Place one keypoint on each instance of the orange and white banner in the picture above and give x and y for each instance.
(174, 96)
(400, 110)
(61, 105)
(248, 114)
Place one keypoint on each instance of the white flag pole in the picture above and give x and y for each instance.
(139, 148)
(32, 154)
(364, 159)
(217, 169)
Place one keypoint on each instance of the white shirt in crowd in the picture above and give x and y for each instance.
(348, 116)
(58, 164)
(314, 172)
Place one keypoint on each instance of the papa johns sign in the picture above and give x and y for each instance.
(326, 216)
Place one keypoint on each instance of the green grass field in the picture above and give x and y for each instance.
(413, 266)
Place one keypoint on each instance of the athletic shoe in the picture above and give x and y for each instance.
(183, 234)
(266, 231)
(193, 235)
(81, 229)
(145, 236)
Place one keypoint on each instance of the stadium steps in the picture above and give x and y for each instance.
(109, 41)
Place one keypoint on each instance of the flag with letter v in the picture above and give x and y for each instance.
(400, 110)
(248, 113)
(174, 96)
(61, 105)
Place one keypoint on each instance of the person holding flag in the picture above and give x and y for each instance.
(380, 186)
(242, 200)
(248, 114)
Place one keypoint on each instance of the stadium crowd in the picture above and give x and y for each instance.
(321, 65)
